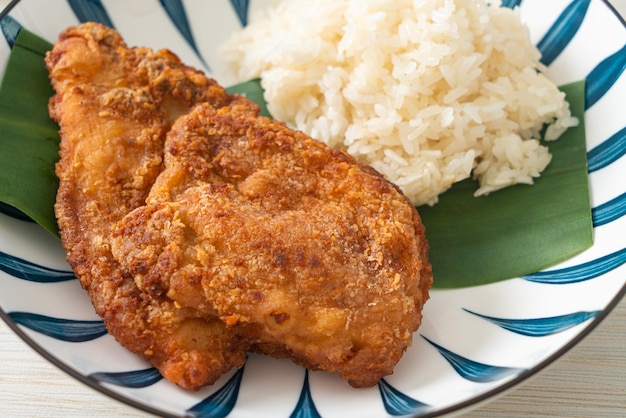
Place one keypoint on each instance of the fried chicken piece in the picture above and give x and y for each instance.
(297, 248)
(114, 106)
(233, 233)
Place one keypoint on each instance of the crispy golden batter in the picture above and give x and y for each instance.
(234, 233)
(114, 106)
(303, 251)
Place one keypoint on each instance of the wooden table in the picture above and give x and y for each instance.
(589, 381)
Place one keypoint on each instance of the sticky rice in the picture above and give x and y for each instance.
(427, 92)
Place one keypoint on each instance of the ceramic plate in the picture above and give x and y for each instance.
(474, 343)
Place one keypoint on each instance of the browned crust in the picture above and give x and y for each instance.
(331, 268)
(114, 106)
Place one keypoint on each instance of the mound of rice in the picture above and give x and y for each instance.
(427, 92)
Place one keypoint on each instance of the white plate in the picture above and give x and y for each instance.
(474, 342)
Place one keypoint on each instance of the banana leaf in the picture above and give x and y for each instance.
(518, 230)
(253, 91)
(29, 139)
(512, 232)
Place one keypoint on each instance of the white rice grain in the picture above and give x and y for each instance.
(427, 92)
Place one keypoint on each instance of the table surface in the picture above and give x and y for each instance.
(589, 381)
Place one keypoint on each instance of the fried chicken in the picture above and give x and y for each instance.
(307, 253)
(114, 106)
(202, 231)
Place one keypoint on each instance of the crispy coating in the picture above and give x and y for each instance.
(308, 253)
(114, 106)
(203, 231)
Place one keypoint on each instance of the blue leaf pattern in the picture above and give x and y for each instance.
(539, 327)
(220, 403)
(90, 11)
(473, 370)
(511, 4)
(241, 8)
(176, 11)
(562, 31)
(131, 379)
(609, 211)
(25, 270)
(10, 29)
(608, 151)
(582, 272)
(62, 329)
(603, 76)
(5, 10)
(305, 408)
(397, 403)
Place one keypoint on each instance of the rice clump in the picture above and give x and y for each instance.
(427, 92)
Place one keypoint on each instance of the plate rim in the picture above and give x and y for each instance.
(457, 407)
(465, 405)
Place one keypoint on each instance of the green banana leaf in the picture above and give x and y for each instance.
(518, 230)
(512, 232)
(253, 91)
(29, 139)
